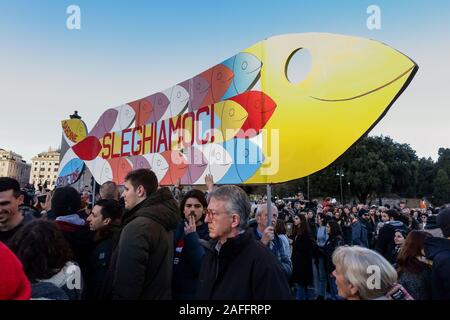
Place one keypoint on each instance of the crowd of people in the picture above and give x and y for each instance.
(153, 242)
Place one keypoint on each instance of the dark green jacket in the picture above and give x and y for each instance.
(142, 260)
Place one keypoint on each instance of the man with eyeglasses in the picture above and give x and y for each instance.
(236, 266)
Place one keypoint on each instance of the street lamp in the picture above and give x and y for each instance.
(340, 173)
(75, 115)
(349, 191)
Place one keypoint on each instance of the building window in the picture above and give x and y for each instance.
(56, 170)
(49, 169)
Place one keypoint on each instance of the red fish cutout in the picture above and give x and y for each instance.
(87, 149)
(120, 168)
(259, 107)
(220, 78)
(143, 109)
(177, 167)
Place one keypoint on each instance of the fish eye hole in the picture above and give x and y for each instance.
(298, 65)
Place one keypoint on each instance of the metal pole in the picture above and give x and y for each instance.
(308, 187)
(269, 205)
(340, 181)
(93, 192)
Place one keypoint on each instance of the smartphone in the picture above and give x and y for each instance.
(42, 198)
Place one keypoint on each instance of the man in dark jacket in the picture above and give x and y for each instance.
(359, 232)
(236, 266)
(142, 261)
(104, 220)
(11, 218)
(438, 250)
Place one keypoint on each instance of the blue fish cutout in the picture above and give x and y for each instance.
(247, 159)
(247, 70)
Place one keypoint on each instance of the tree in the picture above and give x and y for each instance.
(444, 160)
(376, 167)
(441, 188)
(426, 174)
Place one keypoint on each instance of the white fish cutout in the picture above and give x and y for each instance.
(124, 118)
(100, 169)
(219, 161)
(179, 98)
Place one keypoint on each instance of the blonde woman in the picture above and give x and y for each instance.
(363, 274)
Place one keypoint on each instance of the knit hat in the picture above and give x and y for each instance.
(66, 201)
(14, 284)
(443, 221)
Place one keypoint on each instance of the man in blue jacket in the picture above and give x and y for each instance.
(266, 234)
(438, 250)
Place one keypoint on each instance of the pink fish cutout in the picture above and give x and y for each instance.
(197, 164)
(105, 123)
(139, 162)
(160, 103)
(197, 88)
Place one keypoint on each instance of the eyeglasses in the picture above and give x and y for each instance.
(213, 215)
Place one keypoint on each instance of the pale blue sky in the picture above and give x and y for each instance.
(130, 49)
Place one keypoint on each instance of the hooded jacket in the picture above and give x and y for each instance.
(438, 250)
(142, 261)
(385, 243)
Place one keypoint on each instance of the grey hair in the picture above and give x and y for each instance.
(355, 263)
(263, 206)
(236, 201)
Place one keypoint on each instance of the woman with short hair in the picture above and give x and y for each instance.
(363, 274)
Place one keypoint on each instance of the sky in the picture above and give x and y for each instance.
(126, 50)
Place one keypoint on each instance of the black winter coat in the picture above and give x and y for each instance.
(302, 254)
(385, 242)
(438, 250)
(141, 265)
(329, 248)
(243, 269)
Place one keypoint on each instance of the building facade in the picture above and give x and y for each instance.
(44, 169)
(12, 165)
